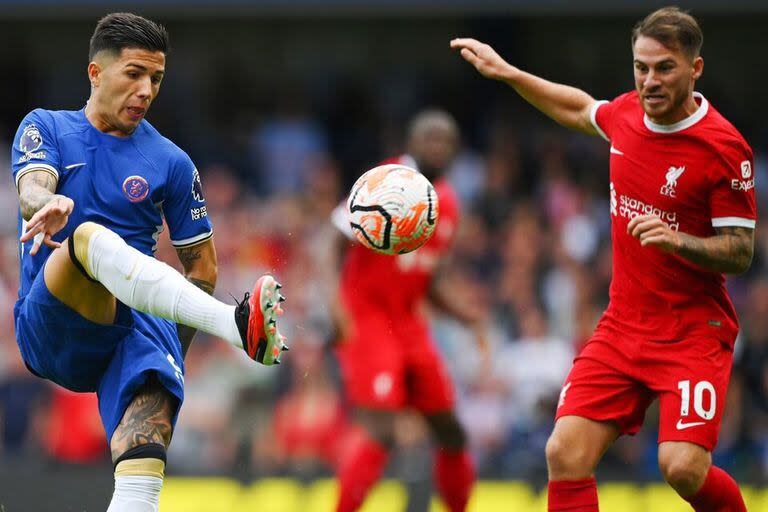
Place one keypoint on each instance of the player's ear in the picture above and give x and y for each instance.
(94, 73)
(698, 67)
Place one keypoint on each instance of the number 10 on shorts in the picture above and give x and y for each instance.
(698, 398)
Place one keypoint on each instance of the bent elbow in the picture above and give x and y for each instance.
(741, 265)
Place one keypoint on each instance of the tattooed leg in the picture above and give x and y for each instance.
(138, 449)
(145, 284)
(146, 420)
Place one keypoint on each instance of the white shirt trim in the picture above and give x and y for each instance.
(340, 219)
(34, 166)
(593, 118)
(739, 222)
(192, 240)
(685, 123)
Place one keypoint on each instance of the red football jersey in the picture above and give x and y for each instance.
(696, 175)
(395, 285)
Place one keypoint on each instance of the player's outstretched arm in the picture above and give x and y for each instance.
(567, 105)
(45, 211)
(728, 252)
(201, 269)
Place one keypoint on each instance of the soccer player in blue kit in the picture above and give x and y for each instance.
(96, 311)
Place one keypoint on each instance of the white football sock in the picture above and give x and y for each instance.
(136, 494)
(148, 285)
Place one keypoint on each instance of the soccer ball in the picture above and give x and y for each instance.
(393, 209)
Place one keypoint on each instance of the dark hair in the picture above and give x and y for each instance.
(125, 30)
(673, 28)
(433, 118)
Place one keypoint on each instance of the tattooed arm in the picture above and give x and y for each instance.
(201, 269)
(728, 252)
(36, 189)
(46, 213)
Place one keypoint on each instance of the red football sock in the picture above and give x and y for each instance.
(573, 496)
(720, 493)
(454, 476)
(358, 472)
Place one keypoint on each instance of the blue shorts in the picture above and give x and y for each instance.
(115, 360)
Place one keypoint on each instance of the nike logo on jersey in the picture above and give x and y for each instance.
(683, 426)
(74, 166)
(616, 151)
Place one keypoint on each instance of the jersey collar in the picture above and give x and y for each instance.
(685, 123)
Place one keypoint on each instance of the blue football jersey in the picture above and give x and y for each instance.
(127, 184)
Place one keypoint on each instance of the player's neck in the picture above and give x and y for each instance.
(683, 111)
(99, 121)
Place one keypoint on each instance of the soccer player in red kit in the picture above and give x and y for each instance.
(387, 357)
(683, 215)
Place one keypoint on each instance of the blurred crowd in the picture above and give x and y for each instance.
(533, 248)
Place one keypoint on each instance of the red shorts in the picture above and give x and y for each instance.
(391, 367)
(615, 378)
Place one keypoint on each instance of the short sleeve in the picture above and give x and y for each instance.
(732, 201)
(602, 115)
(35, 147)
(184, 206)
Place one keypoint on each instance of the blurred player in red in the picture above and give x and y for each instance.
(388, 360)
(683, 215)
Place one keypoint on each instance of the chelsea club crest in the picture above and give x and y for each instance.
(135, 188)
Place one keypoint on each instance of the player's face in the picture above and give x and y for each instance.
(433, 150)
(664, 78)
(123, 87)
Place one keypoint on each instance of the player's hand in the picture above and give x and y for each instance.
(652, 231)
(485, 59)
(49, 220)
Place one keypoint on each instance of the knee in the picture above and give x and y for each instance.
(128, 439)
(567, 461)
(82, 233)
(684, 476)
(139, 440)
(79, 242)
(147, 420)
(450, 434)
(684, 469)
(379, 425)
